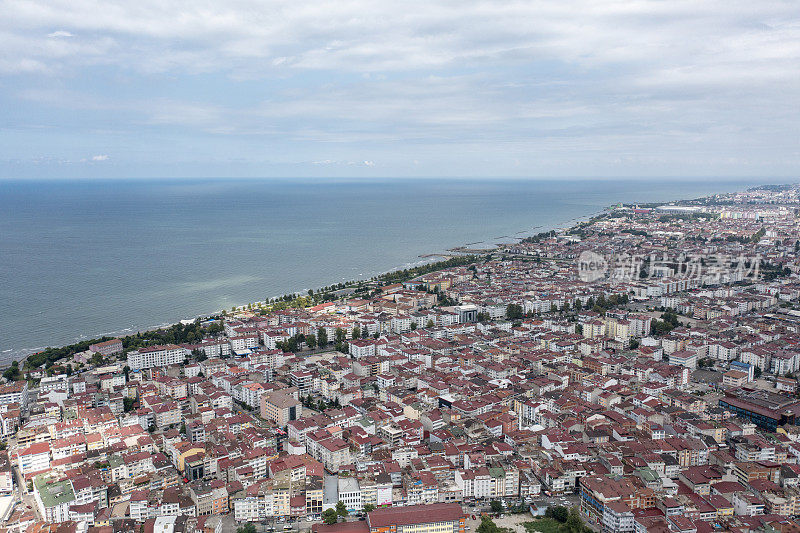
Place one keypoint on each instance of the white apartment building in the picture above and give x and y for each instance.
(151, 356)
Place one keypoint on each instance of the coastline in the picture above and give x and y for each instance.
(21, 354)
(509, 234)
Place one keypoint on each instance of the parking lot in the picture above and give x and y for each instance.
(514, 521)
(269, 526)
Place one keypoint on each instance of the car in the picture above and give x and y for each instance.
(473, 517)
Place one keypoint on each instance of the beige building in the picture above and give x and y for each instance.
(280, 408)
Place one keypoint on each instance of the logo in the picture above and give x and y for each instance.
(591, 266)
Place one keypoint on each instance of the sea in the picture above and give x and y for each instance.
(86, 258)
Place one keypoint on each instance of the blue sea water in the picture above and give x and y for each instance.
(85, 258)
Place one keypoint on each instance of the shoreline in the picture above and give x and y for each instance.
(21, 354)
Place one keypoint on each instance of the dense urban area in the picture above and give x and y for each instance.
(636, 372)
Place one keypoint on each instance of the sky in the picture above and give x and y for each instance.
(352, 88)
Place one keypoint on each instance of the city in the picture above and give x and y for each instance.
(639, 367)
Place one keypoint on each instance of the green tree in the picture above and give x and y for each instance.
(12, 373)
(514, 311)
(330, 517)
(356, 333)
(311, 341)
(574, 522)
(430, 323)
(247, 528)
(341, 509)
(368, 508)
(487, 526)
(127, 404)
(496, 506)
(340, 343)
(322, 337)
(757, 372)
(558, 513)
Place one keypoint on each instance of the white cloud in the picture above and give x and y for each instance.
(100, 157)
(154, 35)
(60, 33)
(327, 82)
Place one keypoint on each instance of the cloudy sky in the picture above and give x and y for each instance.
(591, 88)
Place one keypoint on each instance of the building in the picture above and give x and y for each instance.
(107, 348)
(767, 410)
(51, 383)
(350, 494)
(434, 518)
(684, 358)
(16, 392)
(280, 408)
(34, 458)
(466, 313)
(53, 498)
(734, 378)
(600, 496)
(618, 517)
(6, 477)
(151, 356)
(333, 453)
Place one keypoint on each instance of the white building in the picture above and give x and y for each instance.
(350, 494)
(16, 392)
(151, 356)
(53, 499)
(617, 517)
(34, 458)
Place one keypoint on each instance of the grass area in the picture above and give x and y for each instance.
(542, 525)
